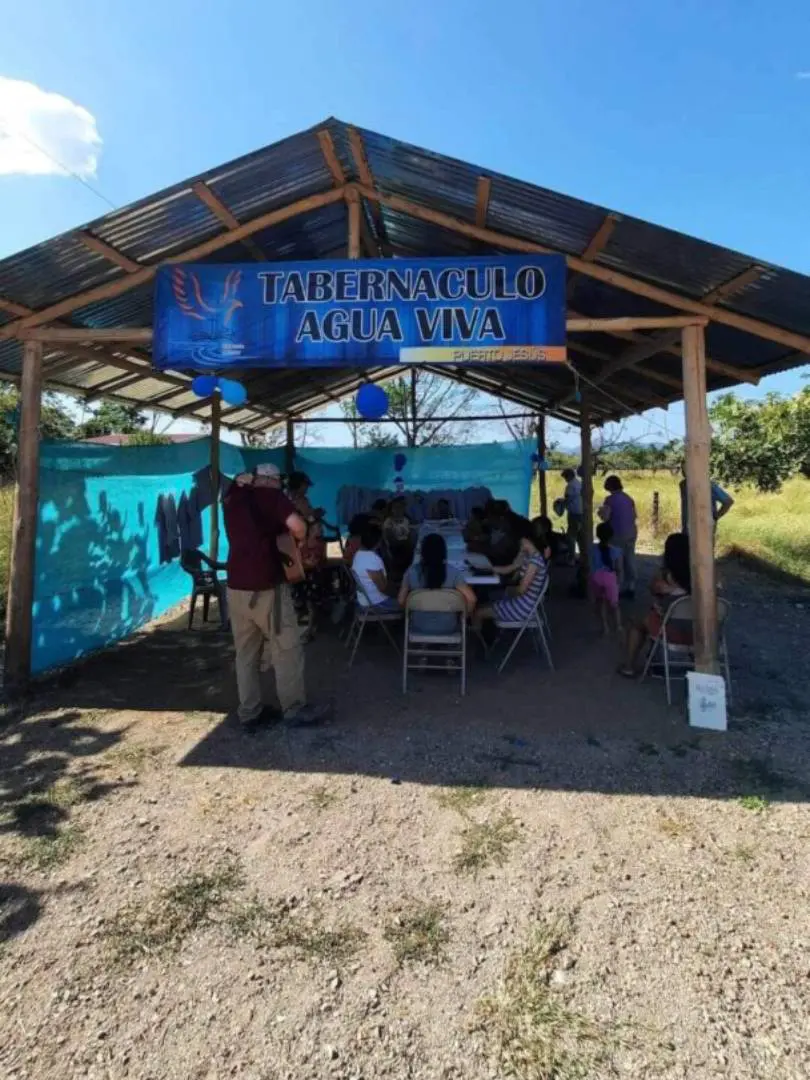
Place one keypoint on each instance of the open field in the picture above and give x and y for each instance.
(772, 529)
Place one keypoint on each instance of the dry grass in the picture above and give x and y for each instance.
(531, 1033)
(461, 799)
(486, 843)
(418, 933)
(164, 923)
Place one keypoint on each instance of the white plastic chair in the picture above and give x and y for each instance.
(449, 651)
(365, 614)
(536, 623)
(678, 657)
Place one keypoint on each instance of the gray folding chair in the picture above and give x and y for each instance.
(435, 651)
(537, 625)
(677, 657)
(365, 614)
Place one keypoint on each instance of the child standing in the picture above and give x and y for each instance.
(606, 572)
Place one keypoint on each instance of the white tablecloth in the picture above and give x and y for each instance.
(457, 555)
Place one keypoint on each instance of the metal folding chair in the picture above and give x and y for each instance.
(679, 657)
(537, 625)
(435, 651)
(365, 614)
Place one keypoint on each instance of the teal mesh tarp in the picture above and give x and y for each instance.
(100, 569)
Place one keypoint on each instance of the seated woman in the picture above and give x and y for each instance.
(432, 572)
(379, 511)
(476, 532)
(547, 539)
(521, 599)
(443, 511)
(369, 570)
(673, 580)
(397, 536)
(356, 527)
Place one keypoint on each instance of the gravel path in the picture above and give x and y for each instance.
(553, 878)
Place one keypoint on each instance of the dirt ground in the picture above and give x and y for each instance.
(554, 877)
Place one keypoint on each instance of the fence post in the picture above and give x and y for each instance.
(656, 513)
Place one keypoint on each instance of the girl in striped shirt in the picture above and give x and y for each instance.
(522, 598)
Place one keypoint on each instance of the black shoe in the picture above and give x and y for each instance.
(309, 715)
(269, 715)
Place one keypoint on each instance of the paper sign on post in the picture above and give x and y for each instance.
(707, 701)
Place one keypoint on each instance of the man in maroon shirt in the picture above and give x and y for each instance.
(256, 513)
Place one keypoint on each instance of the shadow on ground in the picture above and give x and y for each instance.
(580, 727)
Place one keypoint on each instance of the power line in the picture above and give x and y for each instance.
(65, 168)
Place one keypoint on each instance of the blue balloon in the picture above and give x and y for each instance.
(372, 401)
(400, 461)
(204, 385)
(233, 393)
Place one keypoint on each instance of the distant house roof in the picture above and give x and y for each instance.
(290, 201)
(125, 440)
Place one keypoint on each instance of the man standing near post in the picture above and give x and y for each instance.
(574, 509)
(256, 513)
(722, 502)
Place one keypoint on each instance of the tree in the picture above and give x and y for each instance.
(264, 440)
(762, 443)
(56, 424)
(111, 418)
(433, 396)
(520, 430)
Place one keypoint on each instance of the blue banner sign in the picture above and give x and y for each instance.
(497, 309)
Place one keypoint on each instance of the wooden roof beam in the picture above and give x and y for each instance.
(330, 157)
(628, 359)
(482, 194)
(619, 280)
(147, 273)
(120, 382)
(734, 285)
(107, 251)
(221, 211)
(599, 241)
(367, 180)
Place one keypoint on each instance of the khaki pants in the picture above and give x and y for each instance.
(266, 617)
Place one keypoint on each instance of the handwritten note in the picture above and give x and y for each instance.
(707, 701)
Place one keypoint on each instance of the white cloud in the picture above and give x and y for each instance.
(43, 133)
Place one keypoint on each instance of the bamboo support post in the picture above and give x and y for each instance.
(289, 448)
(587, 486)
(699, 500)
(542, 483)
(19, 611)
(216, 410)
(353, 205)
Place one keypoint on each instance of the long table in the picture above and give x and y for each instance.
(476, 568)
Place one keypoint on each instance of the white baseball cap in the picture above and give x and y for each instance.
(268, 469)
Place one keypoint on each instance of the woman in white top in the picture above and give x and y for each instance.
(369, 571)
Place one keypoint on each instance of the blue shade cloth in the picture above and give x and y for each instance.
(112, 520)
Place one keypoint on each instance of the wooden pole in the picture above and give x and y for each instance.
(353, 204)
(413, 406)
(19, 611)
(542, 485)
(587, 485)
(216, 408)
(699, 500)
(289, 449)
(630, 322)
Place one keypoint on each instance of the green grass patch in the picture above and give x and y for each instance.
(322, 797)
(50, 850)
(486, 843)
(165, 922)
(755, 803)
(532, 1034)
(462, 799)
(275, 925)
(418, 933)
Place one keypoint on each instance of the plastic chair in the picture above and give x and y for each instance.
(536, 623)
(205, 583)
(441, 647)
(365, 614)
(680, 657)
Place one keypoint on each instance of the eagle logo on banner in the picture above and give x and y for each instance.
(188, 294)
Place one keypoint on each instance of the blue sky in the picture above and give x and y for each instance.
(694, 115)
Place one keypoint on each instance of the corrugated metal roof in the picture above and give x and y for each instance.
(171, 222)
